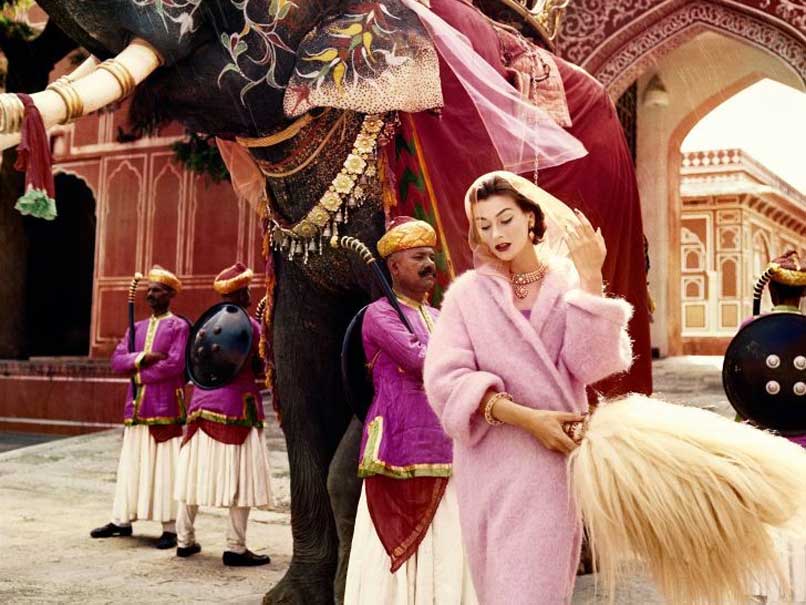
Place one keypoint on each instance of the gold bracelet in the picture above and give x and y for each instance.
(488, 408)
(74, 106)
(122, 76)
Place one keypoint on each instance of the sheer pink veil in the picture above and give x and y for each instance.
(248, 181)
(557, 217)
(524, 136)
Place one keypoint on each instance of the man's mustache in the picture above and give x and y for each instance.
(428, 271)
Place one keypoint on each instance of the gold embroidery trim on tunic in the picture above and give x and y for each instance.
(371, 464)
(785, 309)
(154, 420)
(421, 309)
(248, 418)
(151, 334)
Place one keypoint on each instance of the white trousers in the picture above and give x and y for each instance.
(144, 489)
(236, 528)
(437, 574)
(211, 473)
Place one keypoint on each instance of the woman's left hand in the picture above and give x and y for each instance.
(588, 251)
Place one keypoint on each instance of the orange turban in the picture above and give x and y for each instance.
(405, 233)
(233, 278)
(787, 270)
(165, 277)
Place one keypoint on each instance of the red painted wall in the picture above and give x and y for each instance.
(149, 210)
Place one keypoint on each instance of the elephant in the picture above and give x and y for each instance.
(346, 108)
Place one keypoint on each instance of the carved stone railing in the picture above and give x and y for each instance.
(716, 161)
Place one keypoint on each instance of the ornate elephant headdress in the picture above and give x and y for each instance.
(391, 63)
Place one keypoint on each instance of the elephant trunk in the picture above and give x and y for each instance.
(89, 88)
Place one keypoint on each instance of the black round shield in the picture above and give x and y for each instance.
(764, 372)
(355, 374)
(219, 345)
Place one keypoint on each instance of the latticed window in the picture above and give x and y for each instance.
(627, 110)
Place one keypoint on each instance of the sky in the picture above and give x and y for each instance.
(768, 120)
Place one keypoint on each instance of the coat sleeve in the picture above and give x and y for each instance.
(454, 384)
(596, 343)
(385, 331)
(172, 365)
(122, 361)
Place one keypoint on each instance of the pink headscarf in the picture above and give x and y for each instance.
(557, 216)
(248, 181)
(524, 135)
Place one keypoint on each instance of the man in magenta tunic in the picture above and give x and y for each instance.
(224, 462)
(153, 415)
(407, 526)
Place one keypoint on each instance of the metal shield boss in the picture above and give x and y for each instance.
(219, 345)
(764, 372)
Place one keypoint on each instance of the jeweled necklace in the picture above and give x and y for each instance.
(521, 281)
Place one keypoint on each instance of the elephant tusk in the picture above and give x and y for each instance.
(89, 88)
(9, 140)
(87, 67)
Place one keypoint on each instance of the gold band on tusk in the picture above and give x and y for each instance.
(11, 113)
(71, 99)
(122, 76)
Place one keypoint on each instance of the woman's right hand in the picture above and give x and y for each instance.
(547, 427)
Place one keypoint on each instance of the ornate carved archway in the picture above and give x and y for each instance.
(617, 40)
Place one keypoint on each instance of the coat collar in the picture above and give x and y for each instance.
(555, 283)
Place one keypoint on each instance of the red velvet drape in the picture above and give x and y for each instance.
(453, 151)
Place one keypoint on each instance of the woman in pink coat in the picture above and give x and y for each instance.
(518, 339)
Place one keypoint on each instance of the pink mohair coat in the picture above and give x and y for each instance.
(521, 530)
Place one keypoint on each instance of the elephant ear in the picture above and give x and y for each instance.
(374, 57)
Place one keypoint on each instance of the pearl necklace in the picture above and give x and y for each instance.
(521, 281)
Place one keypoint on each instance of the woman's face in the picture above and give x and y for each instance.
(502, 225)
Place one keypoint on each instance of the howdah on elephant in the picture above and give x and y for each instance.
(348, 115)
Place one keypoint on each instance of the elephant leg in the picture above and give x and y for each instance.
(344, 487)
(307, 341)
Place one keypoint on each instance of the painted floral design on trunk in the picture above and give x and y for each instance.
(374, 57)
(180, 12)
(353, 46)
(253, 50)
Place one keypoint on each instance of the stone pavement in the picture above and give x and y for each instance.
(53, 494)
